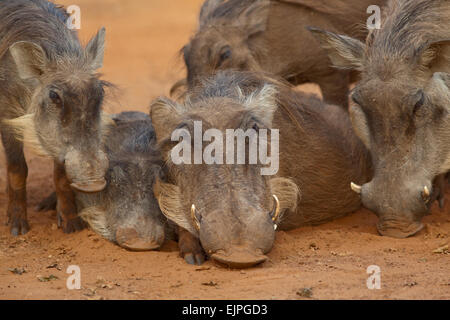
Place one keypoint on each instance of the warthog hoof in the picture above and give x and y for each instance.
(71, 225)
(18, 226)
(190, 249)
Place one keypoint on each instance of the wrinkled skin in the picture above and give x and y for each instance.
(401, 110)
(235, 212)
(50, 98)
(271, 36)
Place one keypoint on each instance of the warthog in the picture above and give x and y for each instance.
(126, 211)
(401, 109)
(232, 208)
(271, 36)
(49, 86)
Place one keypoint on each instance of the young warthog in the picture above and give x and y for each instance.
(271, 36)
(232, 208)
(401, 110)
(126, 211)
(49, 86)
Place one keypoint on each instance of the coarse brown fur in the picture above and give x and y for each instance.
(401, 108)
(49, 79)
(319, 157)
(271, 36)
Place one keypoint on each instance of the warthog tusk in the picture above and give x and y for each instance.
(426, 194)
(194, 218)
(355, 187)
(276, 210)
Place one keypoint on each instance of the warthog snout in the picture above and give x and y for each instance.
(130, 239)
(86, 170)
(399, 208)
(239, 257)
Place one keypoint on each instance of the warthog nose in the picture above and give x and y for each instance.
(129, 239)
(239, 258)
(398, 229)
(90, 186)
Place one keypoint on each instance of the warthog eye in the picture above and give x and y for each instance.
(54, 97)
(421, 99)
(356, 99)
(225, 54)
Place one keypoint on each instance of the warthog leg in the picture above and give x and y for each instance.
(439, 188)
(190, 248)
(17, 172)
(66, 208)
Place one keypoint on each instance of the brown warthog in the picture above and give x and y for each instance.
(126, 211)
(401, 110)
(231, 207)
(49, 86)
(271, 36)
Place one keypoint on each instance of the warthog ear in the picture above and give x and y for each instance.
(95, 49)
(30, 59)
(255, 17)
(169, 200)
(439, 90)
(344, 52)
(262, 104)
(287, 192)
(165, 115)
(207, 10)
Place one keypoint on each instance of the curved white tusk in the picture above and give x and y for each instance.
(194, 218)
(426, 191)
(276, 211)
(356, 188)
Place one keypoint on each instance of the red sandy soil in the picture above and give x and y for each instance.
(143, 40)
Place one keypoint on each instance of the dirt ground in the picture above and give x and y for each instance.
(324, 262)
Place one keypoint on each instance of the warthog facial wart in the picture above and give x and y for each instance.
(235, 152)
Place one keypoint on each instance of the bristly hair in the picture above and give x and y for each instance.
(215, 9)
(408, 25)
(41, 22)
(24, 130)
(230, 12)
(96, 218)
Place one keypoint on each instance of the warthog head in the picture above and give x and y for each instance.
(65, 118)
(231, 208)
(401, 111)
(222, 42)
(126, 211)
